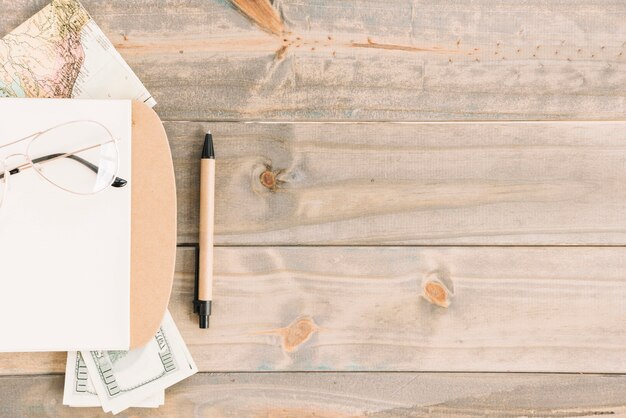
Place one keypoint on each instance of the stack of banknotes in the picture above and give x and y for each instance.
(116, 380)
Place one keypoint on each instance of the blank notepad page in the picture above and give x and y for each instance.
(64, 258)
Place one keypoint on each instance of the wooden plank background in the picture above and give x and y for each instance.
(496, 183)
(329, 232)
(343, 395)
(392, 60)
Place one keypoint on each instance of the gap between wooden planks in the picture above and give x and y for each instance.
(521, 309)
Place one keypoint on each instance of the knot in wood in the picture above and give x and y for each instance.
(268, 179)
(436, 293)
(297, 333)
(437, 286)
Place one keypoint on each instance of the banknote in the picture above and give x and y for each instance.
(79, 391)
(123, 378)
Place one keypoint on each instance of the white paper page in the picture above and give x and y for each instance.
(64, 258)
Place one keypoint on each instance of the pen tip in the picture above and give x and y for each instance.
(207, 149)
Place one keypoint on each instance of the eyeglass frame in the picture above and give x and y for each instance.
(116, 181)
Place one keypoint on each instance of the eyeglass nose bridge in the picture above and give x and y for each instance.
(5, 168)
(4, 161)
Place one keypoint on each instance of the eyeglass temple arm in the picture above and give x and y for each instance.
(117, 182)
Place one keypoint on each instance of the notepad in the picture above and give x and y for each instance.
(64, 258)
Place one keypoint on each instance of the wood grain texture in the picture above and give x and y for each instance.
(549, 309)
(342, 308)
(360, 309)
(335, 395)
(262, 13)
(367, 60)
(498, 183)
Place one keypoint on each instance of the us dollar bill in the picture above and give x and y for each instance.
(80, 392)
(123, 378)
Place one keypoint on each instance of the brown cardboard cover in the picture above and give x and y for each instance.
(153, 225)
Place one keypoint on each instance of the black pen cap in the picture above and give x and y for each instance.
(207, 149)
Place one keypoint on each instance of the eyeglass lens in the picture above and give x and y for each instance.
(80, 157)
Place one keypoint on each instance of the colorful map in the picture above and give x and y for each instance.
(60, 53)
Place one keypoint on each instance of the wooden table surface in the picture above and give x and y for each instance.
(337, 226)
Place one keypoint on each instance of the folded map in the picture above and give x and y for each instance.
(60, 52)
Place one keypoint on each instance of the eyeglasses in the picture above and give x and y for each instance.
(80, 157)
